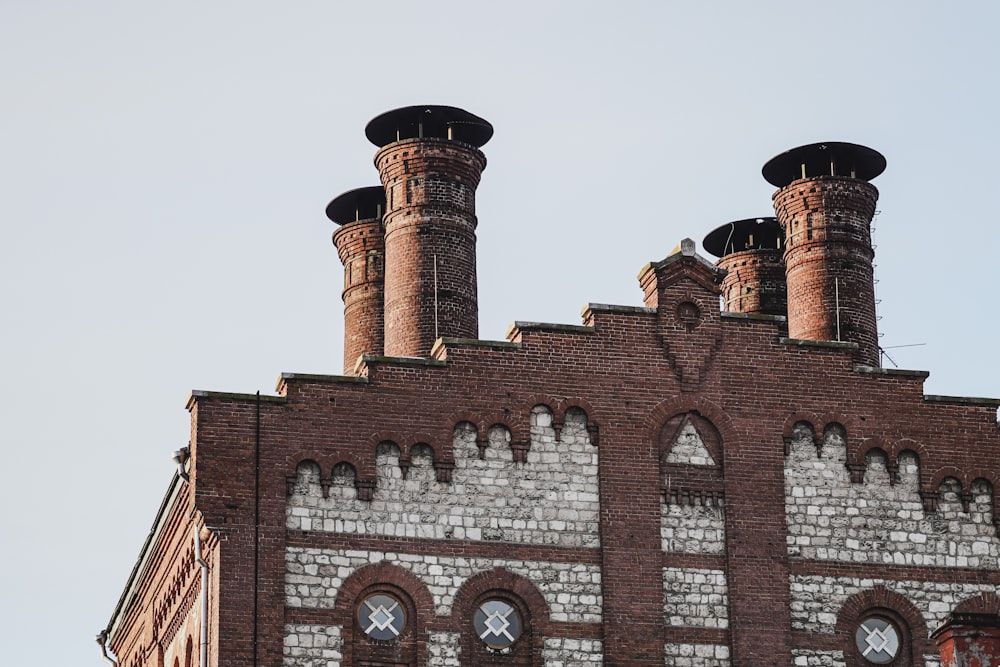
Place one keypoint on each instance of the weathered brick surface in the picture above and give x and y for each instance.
(661, 485)
(430, 230)
(828, 260)
(361, 246)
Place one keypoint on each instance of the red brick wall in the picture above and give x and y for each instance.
(361, 246)
(828, 248)
(430, 213)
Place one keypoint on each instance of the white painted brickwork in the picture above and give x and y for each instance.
(312, 646)
(696, 655)
(816, 600)
(695, 598)
(829, 518)
(313, 578)
(443, 649)
(692, 528)
(804, 658)
(552, 498)
(559, 652)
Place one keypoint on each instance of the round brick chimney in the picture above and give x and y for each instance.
(751, 253)
(430, 164)
(361, 246)
(825, 205)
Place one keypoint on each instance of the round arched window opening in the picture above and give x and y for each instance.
(382, 617)
(877, 640)
(497, 624)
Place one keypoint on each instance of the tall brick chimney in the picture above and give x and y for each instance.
(430, 164)
(361, 245)
(751, 253)
(825, 205)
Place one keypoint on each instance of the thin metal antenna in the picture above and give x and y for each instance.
(435, 297)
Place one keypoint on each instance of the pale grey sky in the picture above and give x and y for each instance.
(165, 167)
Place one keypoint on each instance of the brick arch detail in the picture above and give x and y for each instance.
(502, 581)
(513, 423)
(858, 451)
(576, 402)
(851, 429)
(984, 603)
(672, 407)
(393, 579)
(943, 472)
(463, 416)
(873, 601)
(788, 430)
(327, 461)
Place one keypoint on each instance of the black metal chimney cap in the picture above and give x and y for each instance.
(847, 159)
(359, 204)
(735, 236)
(405, 123)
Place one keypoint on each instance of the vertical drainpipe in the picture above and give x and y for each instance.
(203, 647)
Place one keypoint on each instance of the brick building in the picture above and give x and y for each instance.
(677, 483)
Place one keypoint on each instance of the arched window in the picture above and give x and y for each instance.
(880, 627)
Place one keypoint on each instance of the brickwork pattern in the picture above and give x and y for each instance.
(695, 598)
(816, 600)
(880, 520)
(551, 498)
(828, 260)
(697, 655)
(361, 246)
(314, 576)
(754, 282)
(430, 220)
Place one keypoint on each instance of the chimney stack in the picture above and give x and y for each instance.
(750, 251)
(825, 205)
(360, 243)
(430, 165)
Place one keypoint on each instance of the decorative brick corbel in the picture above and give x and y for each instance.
(595, 433)
(966, 500)
(365, 487)
(290, 484)
(818, 442)
(404, 466)
(443, 471)
(857, 471)
(893, 469)
(325, 483)
(557, 426)
(482, 444)
(930, 500)
(519, 448)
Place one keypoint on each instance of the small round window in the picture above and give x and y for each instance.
(381, 617)
(878, 641)
(497, 623)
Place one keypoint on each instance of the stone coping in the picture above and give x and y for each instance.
(232, 396)
(757, 317)
(828, 344)
(613, 308)
(448, 341)
(963, 400)
(897, 372)
(548, 327)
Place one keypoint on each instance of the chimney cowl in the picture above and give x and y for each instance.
(358, 204)
(828, 158)
(763, 233)
(428, 121)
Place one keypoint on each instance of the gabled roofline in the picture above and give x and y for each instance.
(173, 490)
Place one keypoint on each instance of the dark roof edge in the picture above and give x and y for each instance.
(964, 400)
(168, 500)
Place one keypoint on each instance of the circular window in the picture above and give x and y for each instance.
(497, 623)
(878, 641)
(381, 617)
